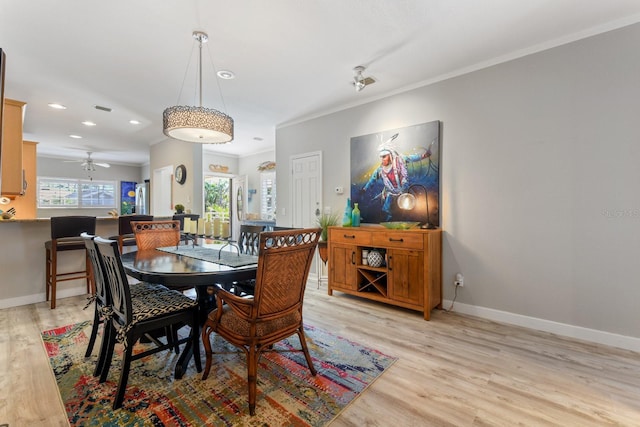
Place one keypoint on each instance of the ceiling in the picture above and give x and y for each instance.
(292, 59)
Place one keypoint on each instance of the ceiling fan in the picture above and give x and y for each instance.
(359, 81)
(89, 164)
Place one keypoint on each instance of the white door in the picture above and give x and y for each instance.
(306, 188)
(161, 186)
(306, 195)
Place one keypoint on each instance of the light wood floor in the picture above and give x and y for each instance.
(453, 370)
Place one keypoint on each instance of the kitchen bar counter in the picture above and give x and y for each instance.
(22, 260)
(47, 220)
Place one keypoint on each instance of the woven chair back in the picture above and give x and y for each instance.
(102, 294)
(156, 234)
(124, 222)
(116, 279)
(284, 261)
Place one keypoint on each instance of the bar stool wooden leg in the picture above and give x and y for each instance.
(54, 276)
(48, 272)
(87, 268)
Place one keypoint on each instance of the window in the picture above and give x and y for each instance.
(268, 195)
(75, 193)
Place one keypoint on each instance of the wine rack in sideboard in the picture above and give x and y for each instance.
(409, 274)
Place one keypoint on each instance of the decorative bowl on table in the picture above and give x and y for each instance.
(399, 225)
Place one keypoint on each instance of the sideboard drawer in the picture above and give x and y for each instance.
(399, 239)
(350, 235)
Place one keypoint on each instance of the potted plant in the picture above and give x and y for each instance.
(179, 208)
(324, 221)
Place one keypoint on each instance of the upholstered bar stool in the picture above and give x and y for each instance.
(65, 236)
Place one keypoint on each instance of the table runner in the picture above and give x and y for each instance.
(231, 259)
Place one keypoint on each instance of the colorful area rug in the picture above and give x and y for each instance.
(288, 395)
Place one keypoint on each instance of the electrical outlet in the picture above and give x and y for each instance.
(459, 281)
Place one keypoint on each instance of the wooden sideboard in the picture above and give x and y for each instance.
(410, 275)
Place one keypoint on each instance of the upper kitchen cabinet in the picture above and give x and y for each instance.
(11, 155)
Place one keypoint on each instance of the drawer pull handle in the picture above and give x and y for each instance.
(396, 240)
(349, 237)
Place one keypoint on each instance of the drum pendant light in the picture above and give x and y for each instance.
(198, 124)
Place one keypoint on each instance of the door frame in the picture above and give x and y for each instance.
(293, 210)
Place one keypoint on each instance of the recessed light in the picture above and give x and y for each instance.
(75, 136)
(134, 122)
(226, 74)
(57, 106)
(88, 123)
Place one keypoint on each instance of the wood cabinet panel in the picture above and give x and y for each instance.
(11, 156)
(404, 267)
(342, 269)
(410, 276)
(351, 236)
(398, 239)
(25, 205)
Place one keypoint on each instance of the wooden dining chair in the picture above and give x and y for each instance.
(275, 311)
(65, 236)
(156, 234)
(131, 318)
(125, 235)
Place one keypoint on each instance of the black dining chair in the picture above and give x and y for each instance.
(249, 238)
(131, 318)
(181, 217)
(102, 301)
(65, 236)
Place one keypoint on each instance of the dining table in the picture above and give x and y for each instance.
(205, 267)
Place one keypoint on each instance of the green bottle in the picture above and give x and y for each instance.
(346, 219)
(355, 216)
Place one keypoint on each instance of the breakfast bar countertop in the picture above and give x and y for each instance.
(100, 218)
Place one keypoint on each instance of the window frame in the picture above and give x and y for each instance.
(268, 213)
(78, 183)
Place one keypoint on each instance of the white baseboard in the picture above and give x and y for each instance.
(578, 332)
(36, 298)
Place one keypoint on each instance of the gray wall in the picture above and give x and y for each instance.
(539, 173)
(58, 168)
(172, 152)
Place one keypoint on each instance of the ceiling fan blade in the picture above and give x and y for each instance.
(73, 161)
(104, 165)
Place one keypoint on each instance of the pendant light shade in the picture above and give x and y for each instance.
(198, 124)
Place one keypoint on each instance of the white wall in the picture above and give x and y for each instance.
(539, 173)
